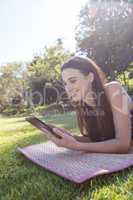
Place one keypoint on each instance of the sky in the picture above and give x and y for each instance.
(26, 26)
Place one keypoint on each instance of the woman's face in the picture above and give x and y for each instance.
(76, 84)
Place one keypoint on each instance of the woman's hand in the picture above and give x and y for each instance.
(67, 140)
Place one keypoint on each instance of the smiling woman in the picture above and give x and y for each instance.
(102, 108)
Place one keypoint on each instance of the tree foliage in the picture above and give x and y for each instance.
(45, 68)
(10, 84)
(105, 33)
(18, 81)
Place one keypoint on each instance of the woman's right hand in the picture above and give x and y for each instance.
(49, 135)
(61, 129)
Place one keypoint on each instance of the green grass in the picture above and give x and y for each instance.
(20, 179)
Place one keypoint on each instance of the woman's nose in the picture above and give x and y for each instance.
(69, 88)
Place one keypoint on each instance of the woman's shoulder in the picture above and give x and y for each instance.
(113, 90)
(112, 84)
(112, 87)
(115, 86)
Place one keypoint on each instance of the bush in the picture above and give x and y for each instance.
(53, 109)
(40, 109)
(23, 109)
(130, 91)
(9, 110)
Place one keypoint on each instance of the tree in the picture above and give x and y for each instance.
(10, 84)
(104, 33)
(44, 69)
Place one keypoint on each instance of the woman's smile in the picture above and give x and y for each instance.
(74, 93)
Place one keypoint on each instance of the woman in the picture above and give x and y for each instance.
(103, 110)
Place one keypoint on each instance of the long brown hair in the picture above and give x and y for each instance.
(97, 121)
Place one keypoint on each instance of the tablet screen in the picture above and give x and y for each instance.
(40, 124)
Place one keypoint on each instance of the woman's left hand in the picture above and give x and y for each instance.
(67, 140)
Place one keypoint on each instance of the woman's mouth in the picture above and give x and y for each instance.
(75, 93)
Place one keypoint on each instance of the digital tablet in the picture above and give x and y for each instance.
(40, 125)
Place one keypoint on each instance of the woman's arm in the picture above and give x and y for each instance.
(82, 138)
(81, 143)
(121, 114)
(108, 146)
(122, 122)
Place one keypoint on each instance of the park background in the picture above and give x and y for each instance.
(37, 37)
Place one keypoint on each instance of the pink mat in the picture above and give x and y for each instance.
(76, 166)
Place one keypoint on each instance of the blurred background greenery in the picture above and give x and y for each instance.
(104, 32)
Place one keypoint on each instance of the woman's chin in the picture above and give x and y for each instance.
(76, 99)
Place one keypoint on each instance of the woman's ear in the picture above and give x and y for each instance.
(90, 77)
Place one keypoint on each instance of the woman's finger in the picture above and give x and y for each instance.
(45, 130)
(59, 128)
(60, 132)
(47, 133)
(52, 125)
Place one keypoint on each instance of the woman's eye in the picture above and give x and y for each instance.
(64, 84)
(73, 81)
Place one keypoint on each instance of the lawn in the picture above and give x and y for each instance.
(20, 179)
